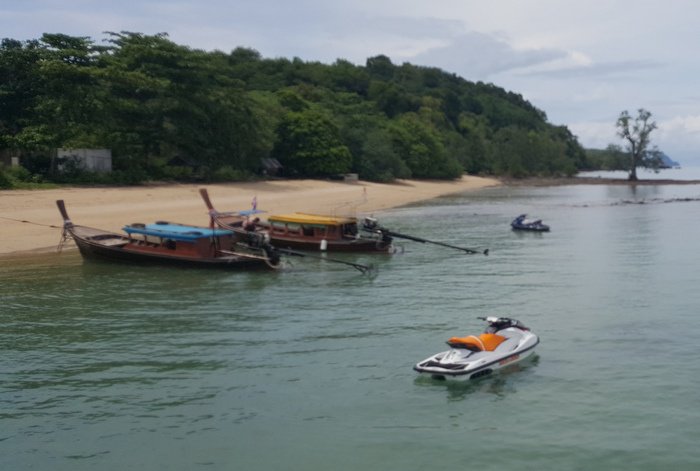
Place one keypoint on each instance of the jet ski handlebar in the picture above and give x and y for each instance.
(495, 320)
(498, 323)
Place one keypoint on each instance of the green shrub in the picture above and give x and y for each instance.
(130, 176)
(19, 173)
(5, 179)
(177, 172)
(230, 174)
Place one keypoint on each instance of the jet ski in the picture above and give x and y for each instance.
(521, 223)
(504, 342)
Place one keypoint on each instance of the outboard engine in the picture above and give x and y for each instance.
(255, 240)
(370, 224)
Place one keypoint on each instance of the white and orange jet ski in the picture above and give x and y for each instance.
(504, 342)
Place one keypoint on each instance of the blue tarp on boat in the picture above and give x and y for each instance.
(175, 231)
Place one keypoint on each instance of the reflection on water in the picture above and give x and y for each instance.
(499, 384)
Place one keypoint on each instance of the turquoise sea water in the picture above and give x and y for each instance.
(115, 367)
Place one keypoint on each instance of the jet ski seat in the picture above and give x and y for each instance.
(484, 342)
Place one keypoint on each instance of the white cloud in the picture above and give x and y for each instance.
(679, 137)
(686, 124)
(479, 56)
(596, 134)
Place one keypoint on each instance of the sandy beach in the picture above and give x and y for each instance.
(30, 221)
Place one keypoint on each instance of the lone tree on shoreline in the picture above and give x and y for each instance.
(637, 135)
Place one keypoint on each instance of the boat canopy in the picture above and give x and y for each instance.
(250, 212)
(175, 231)
(244, 213)
(311, 219)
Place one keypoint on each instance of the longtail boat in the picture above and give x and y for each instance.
(165, 243)
(301, 231)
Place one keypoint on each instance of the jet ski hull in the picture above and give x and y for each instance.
(530, 227)
(463, 364)
(522, 224)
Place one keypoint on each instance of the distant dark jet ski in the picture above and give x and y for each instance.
(521, 223)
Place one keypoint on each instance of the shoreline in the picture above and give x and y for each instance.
(31, 224)
(561, 181)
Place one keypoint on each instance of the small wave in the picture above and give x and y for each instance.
(640, 202)
(656, 201)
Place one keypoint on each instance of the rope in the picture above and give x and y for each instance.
(31, 222)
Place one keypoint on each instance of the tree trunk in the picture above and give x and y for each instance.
(53, 170)
(633, 174)
(635, 160)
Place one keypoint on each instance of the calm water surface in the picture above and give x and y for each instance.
(114, 367)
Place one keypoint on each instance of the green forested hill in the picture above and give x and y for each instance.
(158, 104)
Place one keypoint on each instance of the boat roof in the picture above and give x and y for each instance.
(303, 218)
(245, 213)
(250, 212)
(175, 231)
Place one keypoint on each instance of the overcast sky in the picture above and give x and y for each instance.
(581, 63)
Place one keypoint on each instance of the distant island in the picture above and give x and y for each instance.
(666, 162)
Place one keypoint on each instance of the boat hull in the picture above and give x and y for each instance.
(298, 242)
(350, 245)
(476, 373)
(119, 251)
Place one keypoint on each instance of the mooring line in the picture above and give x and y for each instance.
(31, 222)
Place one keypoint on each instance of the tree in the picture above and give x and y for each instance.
(636, 133)
(150, 100)
(378, 160)
(20, 84)
(419, 146)
(308, 145)
(612, 157)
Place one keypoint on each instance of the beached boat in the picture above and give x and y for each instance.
(318, 232)
(165, 243)
(300, 231)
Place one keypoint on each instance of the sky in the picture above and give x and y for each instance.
(581, 62)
